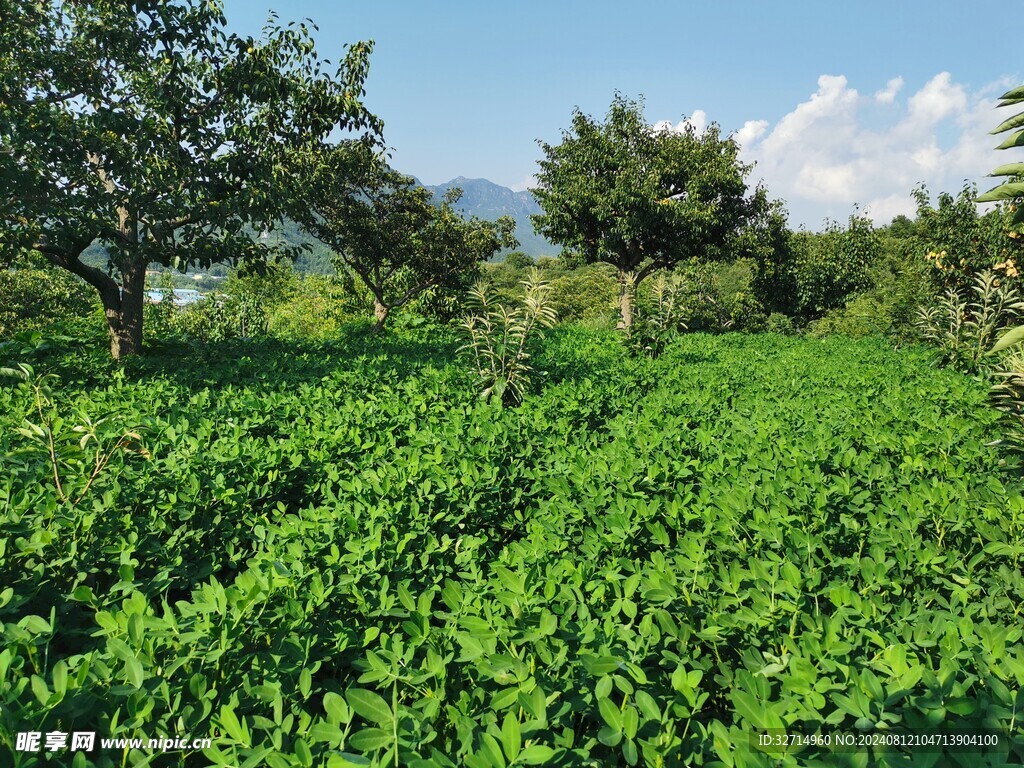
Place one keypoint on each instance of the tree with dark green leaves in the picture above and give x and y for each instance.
(643, 199)
(832, 266)
(385, 228)
(148, 127)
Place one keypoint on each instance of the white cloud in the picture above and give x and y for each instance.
(752, 130)
(885, 209)
(827, 182)
(830, 107)
(888, 94)
(530, 182)
(939, 99)
(838, 148)
(698, 121)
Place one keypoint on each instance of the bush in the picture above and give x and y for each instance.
(659, 319)
(958, 244)
(964, 324)
(35, 299)
(315, 308)
(499, 338)
(864, 315)
(834, 265)
(278, 303)
(338, 555)
(719, 297)
(777, 322)
(518, 261)
(587, 294)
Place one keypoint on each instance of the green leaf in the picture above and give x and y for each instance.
(303, 753)
(83, 594)
(471, 647)
(232, 726)
(1008, 339)
(42, 693)
(60, 677)
(371, 739)
(35, 624)
(536, 754)
(133, 671)
(510, 737)
(1010, 123)
(610, 714)
(1010, 169)
(326, 732)
(369, 706)
(647, 705)
(1014, 140)
(1013, 94)
(491, 751)
(1008, 191)
(336, 708)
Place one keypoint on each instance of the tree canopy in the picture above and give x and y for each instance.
(149, 127)
(640, 198)
(386, 229)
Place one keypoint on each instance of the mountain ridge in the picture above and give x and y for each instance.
(487, 200)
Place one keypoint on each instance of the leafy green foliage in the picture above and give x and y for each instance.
(338, 554)
(959, 245)
(660, 318)
(588, 294)
(964, 325)
(720, 297)
(1013, 188)
(31, 298)
(640, 199)
(386, 230)
(499, 338)
(149, 127)
(832, 266)
(78, 454)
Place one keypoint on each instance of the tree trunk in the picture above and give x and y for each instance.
(626, 292)
(123, 310)
(380, 312)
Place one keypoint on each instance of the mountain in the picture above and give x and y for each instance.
(488, 200)
(480, 197)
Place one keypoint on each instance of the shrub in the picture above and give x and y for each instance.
(721, 297)
(964, 324)
(958, 244)
(834, 265)
(777, 322)
(864, 315)
(659, 319)
(340, 555)
(588, 294)
(35, 299)
(499, 338)
(519, 261)
(316, 308)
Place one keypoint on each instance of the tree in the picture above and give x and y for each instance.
(385, 228)
(642, 199)
(832, 266)
(148, 127)
(959, 244)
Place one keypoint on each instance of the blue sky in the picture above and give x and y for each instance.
(837, 103)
